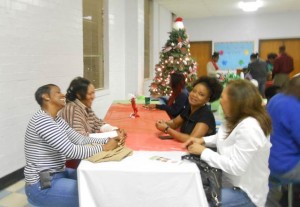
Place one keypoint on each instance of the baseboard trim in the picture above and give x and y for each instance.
(11, 178)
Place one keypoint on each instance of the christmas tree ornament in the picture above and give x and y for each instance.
(178, 24)
(167, 49)
(183, 50)
(179, 45)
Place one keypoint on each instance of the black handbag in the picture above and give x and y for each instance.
(211, 179)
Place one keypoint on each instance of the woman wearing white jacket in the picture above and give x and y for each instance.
(243, 146)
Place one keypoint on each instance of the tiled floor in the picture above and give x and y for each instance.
(14, 196)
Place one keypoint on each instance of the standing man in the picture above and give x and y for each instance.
(283, 65)
(258, 70)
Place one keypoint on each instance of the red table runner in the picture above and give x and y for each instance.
(141, 132)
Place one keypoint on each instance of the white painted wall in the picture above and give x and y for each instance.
(40, 43)
(162, 25)
(134, 59)
(247, 28)
(114, 47)
(124, 52)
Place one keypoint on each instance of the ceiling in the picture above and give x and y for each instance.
(190, 9)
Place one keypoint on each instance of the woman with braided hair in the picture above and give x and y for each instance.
(178, 101)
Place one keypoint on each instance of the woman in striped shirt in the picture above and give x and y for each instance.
(78, 112)
(48, 141)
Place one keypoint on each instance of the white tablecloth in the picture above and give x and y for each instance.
(139, 181)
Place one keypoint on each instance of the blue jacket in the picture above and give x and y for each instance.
(285, 138)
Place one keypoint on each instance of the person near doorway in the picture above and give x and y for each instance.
(283, 66)
(258, 70)
(270, 65)
(212, 66)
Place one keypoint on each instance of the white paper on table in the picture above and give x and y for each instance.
(110, 134)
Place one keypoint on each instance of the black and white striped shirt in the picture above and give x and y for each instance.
(49, 141)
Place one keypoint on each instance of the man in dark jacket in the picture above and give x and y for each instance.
(259, 71)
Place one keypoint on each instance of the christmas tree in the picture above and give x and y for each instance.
(174, 57)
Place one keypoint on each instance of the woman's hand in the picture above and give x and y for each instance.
(196, 149)
(161, 125)
(122, 135)
(193, 140)
(194, 145)
(110, 145)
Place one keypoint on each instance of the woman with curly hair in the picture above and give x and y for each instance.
(196, 120)
(243, 146)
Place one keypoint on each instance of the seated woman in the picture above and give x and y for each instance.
(284, 159)
(48, 141)
(243, 146)
(197, 119)
(178, 101)
(79, 114)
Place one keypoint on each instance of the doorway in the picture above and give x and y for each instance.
(201, 52)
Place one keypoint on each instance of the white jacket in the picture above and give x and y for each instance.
(211, 71)
(243, 157)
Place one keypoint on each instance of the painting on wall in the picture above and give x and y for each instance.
(233, 55)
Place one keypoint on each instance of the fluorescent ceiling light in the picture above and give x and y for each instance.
(250, 6)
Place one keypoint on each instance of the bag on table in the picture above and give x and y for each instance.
(211, 179)
(112, 155)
